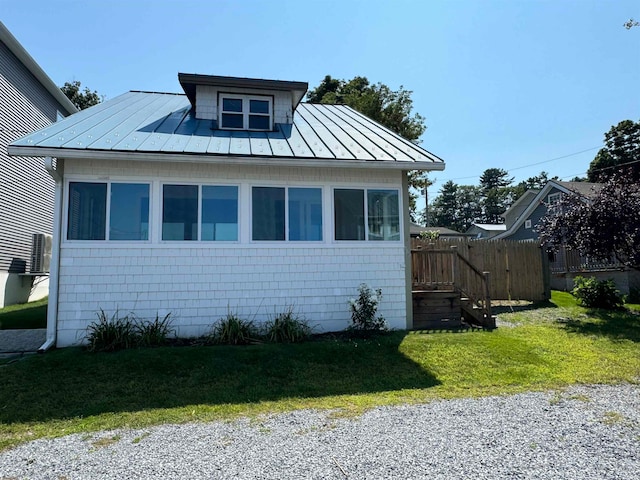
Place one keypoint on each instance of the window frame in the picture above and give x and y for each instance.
(365, 191)
(246, 111)
(107, 224)
(199, 239)
(286, 213)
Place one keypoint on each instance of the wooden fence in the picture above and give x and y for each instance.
(519, 270)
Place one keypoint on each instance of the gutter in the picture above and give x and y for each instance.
(54, 274)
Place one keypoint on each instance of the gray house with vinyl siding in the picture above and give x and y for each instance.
(29, 100)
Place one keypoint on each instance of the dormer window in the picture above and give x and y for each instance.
(246, 112)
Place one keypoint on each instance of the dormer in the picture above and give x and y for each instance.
(242, 104)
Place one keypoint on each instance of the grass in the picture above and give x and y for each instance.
(24, 316)
(73, 391)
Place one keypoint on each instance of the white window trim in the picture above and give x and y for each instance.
(245, 111)
(286, 214)
(366, 215)
(107, 231)
(199, 216)
(527, 223)
(554, 197)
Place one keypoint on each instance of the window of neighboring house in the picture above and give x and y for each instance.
(527, 224)
(243, 112)
(293, 213)
(127, 211)
(215, 205)
(381, 211)
(552, 200)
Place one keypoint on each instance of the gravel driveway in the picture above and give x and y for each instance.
(587, 432)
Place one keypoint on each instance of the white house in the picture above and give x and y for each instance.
(231, 197)
(29, 100)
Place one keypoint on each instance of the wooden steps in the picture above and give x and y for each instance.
(436, 309)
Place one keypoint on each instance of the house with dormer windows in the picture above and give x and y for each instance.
(233, 196)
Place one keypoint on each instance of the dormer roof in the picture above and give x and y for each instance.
(189, 81)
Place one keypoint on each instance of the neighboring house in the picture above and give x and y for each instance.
(234, 197)
(29, 100)
(565, 264)
(523, 216)
(443, 232)
(485, 230)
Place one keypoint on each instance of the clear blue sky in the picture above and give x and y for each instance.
(501, 83)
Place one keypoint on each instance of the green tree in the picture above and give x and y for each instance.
(80, 98)
(493, 178)
(445, 206)
(622, 147)
(391, 108)
(457, 206)
(605, 225)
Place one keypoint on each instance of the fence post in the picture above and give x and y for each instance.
(454, 265)
(490, 322)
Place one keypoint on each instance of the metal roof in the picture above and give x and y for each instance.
(159, 126)
(27, 60)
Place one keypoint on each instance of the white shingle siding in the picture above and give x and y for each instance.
(207, 102)
(199, 282)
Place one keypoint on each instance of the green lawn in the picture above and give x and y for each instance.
(70, 390)
(25, 315)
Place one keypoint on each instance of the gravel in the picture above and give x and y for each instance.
(21, 341)
(584, 432)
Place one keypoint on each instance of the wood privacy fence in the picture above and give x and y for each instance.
(518, 269)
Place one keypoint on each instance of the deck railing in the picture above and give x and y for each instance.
(446, 269)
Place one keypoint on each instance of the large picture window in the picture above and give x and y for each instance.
(128, 211)
(381, 211)
(280, 213)
(215, 206)
(242, 112)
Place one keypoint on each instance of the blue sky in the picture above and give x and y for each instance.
(501, 83)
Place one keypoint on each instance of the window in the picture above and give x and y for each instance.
(382, 214)
(553, 199)
(242, 112)
(527, 224)
(216, 206)
(127, 211)
(291, 213)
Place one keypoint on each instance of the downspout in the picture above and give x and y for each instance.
(56, 172)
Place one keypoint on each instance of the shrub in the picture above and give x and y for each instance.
(154, 333)
(364, 310)
(287, 327)
(592, 293)
(111, 334)
(232, 330)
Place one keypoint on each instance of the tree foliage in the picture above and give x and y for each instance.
(80, 98)
(622, 147)
(457, 206)
(605, 225)
(391, 108)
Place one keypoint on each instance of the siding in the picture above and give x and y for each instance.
(531, 233)
(26, 190)
(200, 282)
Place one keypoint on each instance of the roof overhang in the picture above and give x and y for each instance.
(27, 60)
(314, 162)
(189, 81)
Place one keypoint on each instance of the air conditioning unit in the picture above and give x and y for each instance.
(41, 253)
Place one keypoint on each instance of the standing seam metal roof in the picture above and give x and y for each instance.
(163, 122)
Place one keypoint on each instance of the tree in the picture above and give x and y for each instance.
(81, 99)
(457, 206)
(493, 178)
(605, 225)
(629, 24)
(391, 108)
(622, 147)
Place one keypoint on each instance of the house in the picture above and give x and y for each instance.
(523, 216)
(485, 230)
(442, 232)
(29, 100)
(234, 196)
(565, 264)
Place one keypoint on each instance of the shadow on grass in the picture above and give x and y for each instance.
(73, 383)
(497, 309)
(26, 316)
(615, 324)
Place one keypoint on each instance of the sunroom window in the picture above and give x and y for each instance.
(127, 211)
(293, 213)
(200, 212)
(381, 211)
(243, 112)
